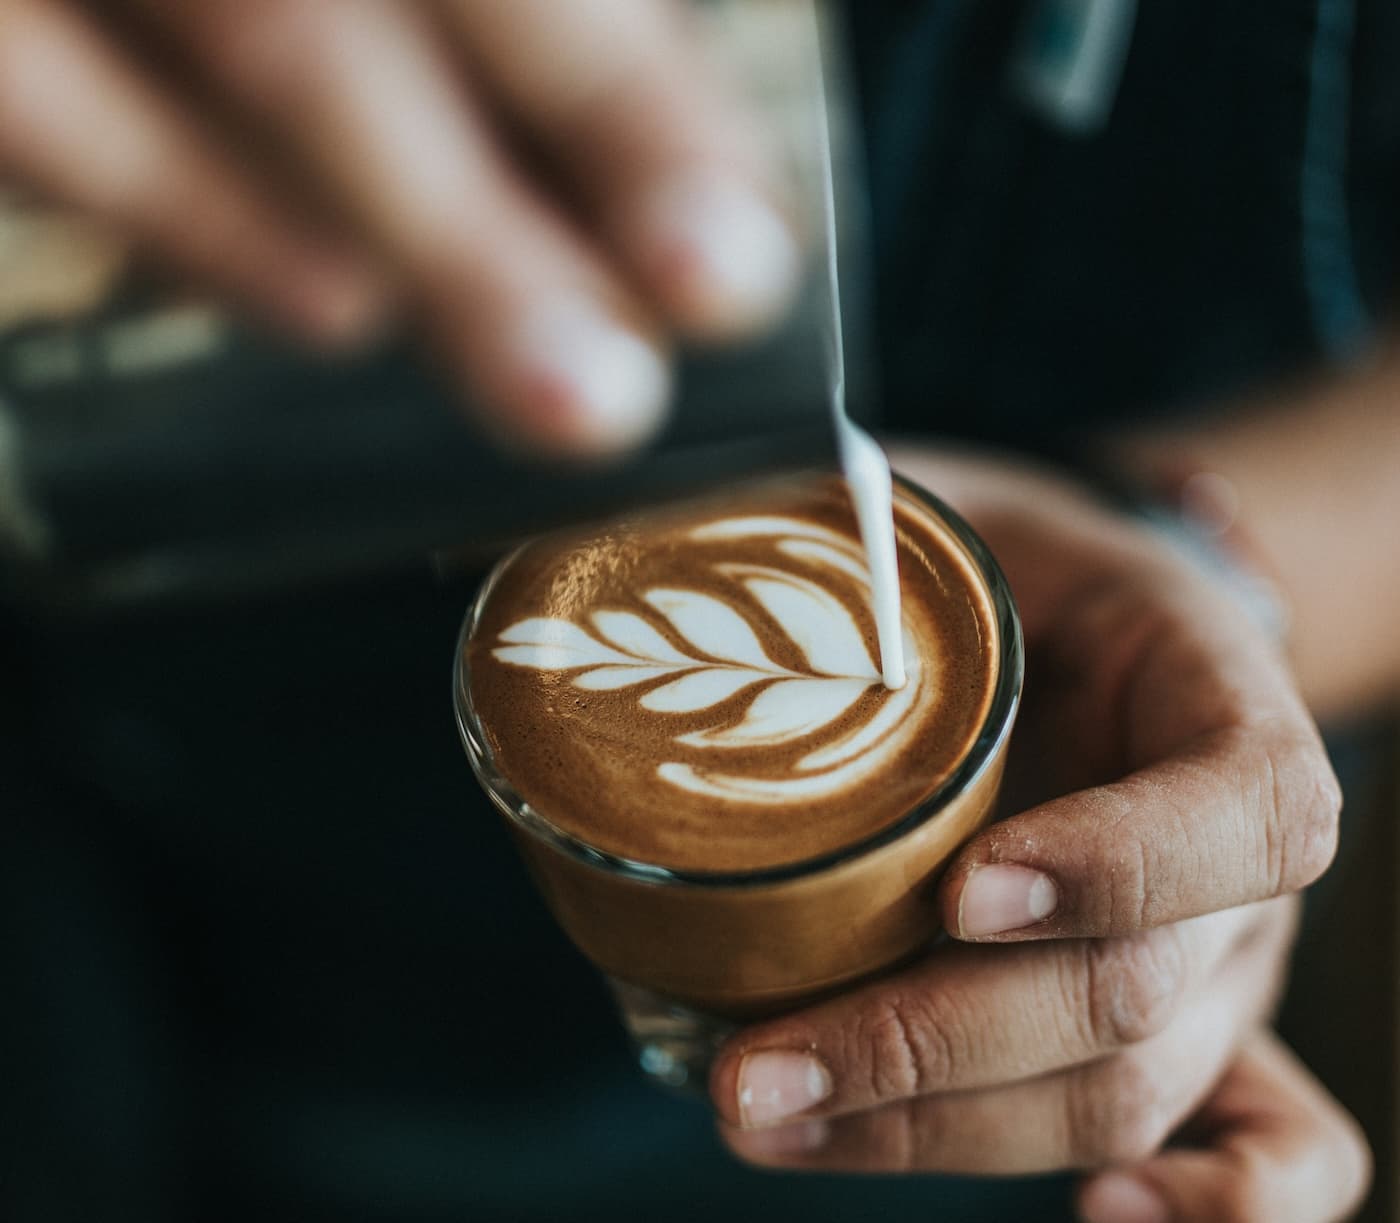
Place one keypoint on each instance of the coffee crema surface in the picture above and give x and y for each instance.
(700, 689)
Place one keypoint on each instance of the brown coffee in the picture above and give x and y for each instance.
(729, 806)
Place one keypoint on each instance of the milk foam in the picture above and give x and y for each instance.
(723, 658)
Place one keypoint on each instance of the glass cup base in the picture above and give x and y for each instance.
(674, 1045)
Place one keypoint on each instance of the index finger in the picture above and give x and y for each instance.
(1238, 802)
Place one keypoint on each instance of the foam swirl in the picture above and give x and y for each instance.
(700, 652)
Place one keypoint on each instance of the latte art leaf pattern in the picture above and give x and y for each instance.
(711, 626)
(787, 710)
(632, 633)
(722, 657)
(814, 619)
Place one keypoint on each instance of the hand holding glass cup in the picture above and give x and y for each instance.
(682, 719)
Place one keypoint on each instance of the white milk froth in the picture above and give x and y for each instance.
(712, 654)
(701, 687)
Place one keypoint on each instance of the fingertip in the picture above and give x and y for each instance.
(598, 387)
(773, 1086)
(1117, 1197)
(573, 383)
(994, 899)
(779, 1146)
(724, 1088)
(1356, 1158)
(950, 892)
(721, 256)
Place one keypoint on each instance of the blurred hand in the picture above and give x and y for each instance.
(1170, 788)
(549, 187)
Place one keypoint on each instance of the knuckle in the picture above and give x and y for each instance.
(1307, 805)
(1118, 1116)
(902, 1042)
(1136, 986)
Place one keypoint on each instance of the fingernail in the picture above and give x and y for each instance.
(779, 1142)
(598, 386)
(735, 259)
(1000, 898)
(1116, 1198)
(777, 1085)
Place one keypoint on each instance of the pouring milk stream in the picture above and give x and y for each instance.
(863, 463)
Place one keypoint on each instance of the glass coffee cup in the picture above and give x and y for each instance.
(690, 952)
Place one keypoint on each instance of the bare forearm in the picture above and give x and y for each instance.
(1317, 476)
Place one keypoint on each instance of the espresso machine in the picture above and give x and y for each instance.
(153, 448)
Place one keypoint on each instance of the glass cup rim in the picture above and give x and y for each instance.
(984, 749)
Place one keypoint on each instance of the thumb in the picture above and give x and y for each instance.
(1268, 1144)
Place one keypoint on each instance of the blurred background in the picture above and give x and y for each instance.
(1340, 1011)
